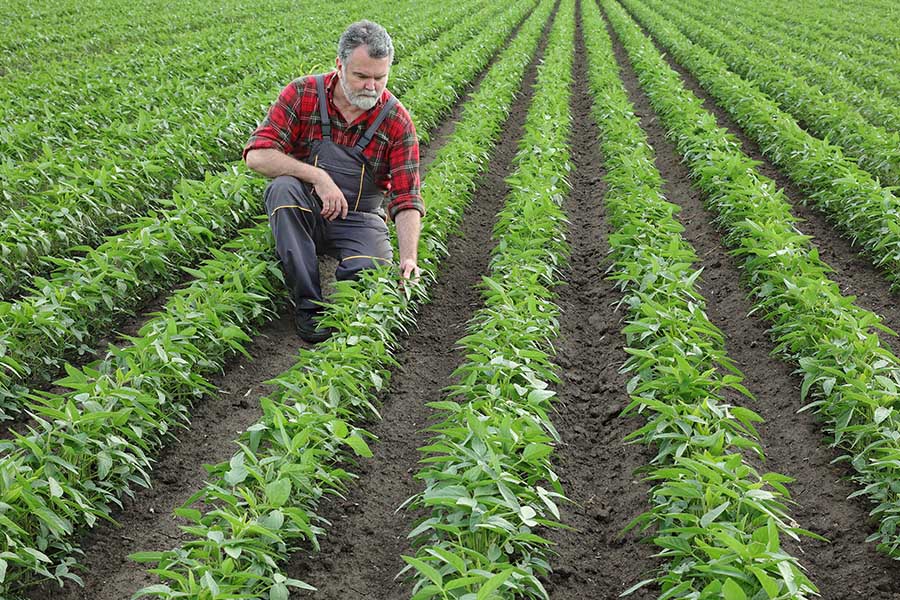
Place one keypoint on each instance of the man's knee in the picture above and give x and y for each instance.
(283, 190)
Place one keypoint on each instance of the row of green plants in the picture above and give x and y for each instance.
(823, 113)
(195, 77)
(813, 60)
(489, 484)
(263, 502)
(87, 297)
(848, 376)
(862, 32)
(91, 445)
(92, 200)
(851, 198)
(870, 63)
(35, 38)
(717, 522)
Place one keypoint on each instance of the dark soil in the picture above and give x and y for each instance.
(848, 566)
(595, 467)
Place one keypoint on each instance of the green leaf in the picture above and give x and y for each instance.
(359, 446)
(209, 583)
(191, 514)
(146, 557)
(882, 413)
(159, 589)
(278, 492)
(732, 590)
(339, 428)
(710, 516)
(492, 584)
(425, 569)
(279, 591)
(238, 471)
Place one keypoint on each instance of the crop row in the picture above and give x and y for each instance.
(814, 60)
(59, 33)
(823, 114)
(262, 503)
(197, 59)
(850, 29)
(489, 455)
(851, 378)
(716, 521)
(95, 197)
(93, 443)
(850, 197)
(85, 298)
(871, 64)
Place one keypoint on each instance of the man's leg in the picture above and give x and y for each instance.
(298, 228)
(359, 242)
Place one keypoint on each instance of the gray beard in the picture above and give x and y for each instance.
(359, 100)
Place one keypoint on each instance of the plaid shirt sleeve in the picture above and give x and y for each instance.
(403, 160)
(281, 126)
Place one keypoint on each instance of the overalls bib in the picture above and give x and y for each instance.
(358, 241)
(348, 166)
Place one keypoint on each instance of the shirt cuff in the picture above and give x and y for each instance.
(405, 202)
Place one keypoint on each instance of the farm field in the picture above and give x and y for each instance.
(652, 351)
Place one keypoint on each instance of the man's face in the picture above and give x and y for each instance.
(363, 78)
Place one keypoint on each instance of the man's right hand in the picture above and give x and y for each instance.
(333, 202)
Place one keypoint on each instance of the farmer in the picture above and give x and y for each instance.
(336, 145)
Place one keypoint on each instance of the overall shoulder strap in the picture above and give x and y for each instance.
(323, 107)
(370, 132)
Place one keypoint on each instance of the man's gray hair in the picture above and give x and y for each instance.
(365, 33)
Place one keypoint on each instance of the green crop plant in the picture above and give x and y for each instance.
(874, 149)
(849, 377)
(262, 503)
(91, 445)
(85, 298)
(486, 469)
(718, 523)
(850, 197)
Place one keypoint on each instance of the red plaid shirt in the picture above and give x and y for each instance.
(293, 123)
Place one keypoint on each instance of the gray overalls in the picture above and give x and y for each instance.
(301, 233)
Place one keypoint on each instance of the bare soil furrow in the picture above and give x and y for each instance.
(595, 466)
(848, 566)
